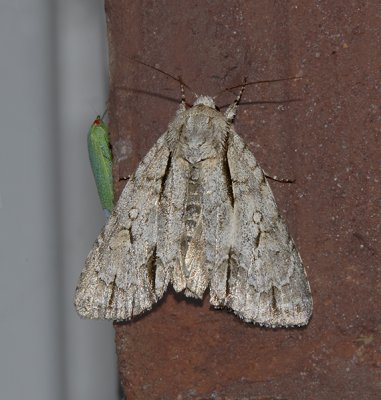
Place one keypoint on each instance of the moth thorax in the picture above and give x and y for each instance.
(205, 101)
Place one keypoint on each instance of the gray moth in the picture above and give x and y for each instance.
(197, 213)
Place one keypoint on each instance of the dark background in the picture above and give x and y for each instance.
(328, 141)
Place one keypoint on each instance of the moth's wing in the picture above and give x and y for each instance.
(210, 244)
(265, 279)
(119, 279)
(171, 226)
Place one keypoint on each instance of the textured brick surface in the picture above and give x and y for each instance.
(328, 142)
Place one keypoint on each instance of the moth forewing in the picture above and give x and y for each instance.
(273, 280)
(197, 213)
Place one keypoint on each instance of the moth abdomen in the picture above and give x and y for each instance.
(193, 203)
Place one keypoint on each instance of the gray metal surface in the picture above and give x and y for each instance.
(52, 84)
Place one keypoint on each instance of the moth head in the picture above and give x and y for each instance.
(205, 101)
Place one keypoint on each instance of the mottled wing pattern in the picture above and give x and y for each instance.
(265, 281)
(217, 211)
(171, 227)
(197, 213)
(120, 276)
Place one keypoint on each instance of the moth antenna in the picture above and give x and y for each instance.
(246, 103)
(178, 79)
(231, 111)
(243, 86)
(183, 101)
(265, 81)
(257, 82)
(159, 95)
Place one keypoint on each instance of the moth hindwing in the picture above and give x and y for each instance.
(197, 213)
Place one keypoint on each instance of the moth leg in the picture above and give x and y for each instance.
(276, 179)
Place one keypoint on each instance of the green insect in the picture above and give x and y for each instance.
(101, 162)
